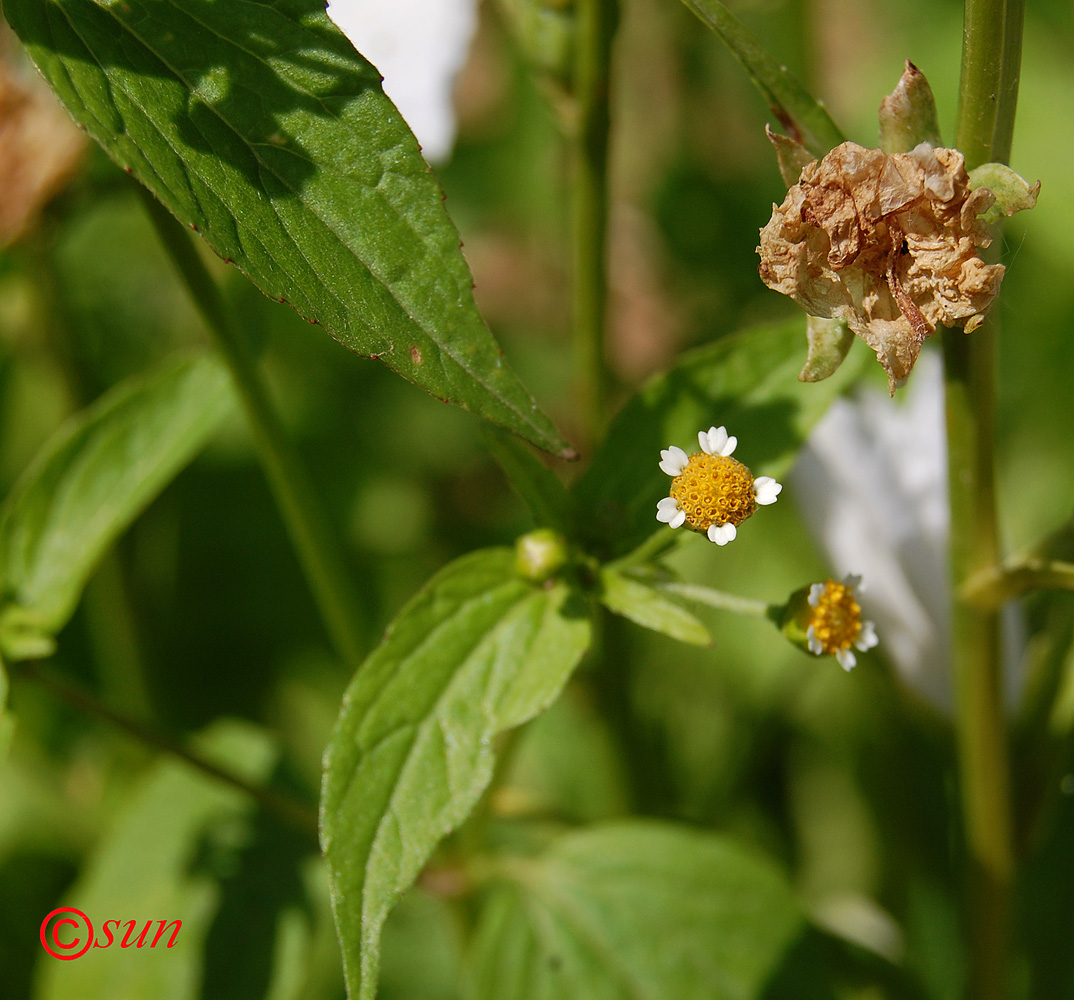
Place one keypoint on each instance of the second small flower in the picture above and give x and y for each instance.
(711, 492)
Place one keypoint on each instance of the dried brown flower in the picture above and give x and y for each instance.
(887, 243)
(40, 148)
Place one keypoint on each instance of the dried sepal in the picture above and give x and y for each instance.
(791, 155)
(908, 114)
(887, 243)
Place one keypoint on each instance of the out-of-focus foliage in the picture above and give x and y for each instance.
(843, 784)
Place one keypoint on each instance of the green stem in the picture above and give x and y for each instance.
(289, 811)
(596, 20)
(995, 585)
(987, 98)
(306, 524)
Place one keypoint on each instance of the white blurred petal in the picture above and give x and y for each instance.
(816, 592)
(847, 659)
(867, 637)
(419, 46)
(816, 647)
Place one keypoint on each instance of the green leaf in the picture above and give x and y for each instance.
(476, 652)
(260, 126)
(90, 481)
(635, 909)
(152, 867)
(538, 487)
(650, 609)
(795, 108)
(747, 382)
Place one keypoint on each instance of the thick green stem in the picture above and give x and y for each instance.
(987, 99)
(306, 524)
(719, 599)
(597, 21)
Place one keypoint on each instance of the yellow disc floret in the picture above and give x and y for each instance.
(835, 619)
(714, 489)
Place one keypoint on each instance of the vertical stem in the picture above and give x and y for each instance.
(597, 21)
(987, 98)
(306, 523)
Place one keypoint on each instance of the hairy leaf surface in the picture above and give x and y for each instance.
(476, 652)
(259, 125)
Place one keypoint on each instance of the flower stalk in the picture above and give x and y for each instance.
(596, 24)
(987, 99)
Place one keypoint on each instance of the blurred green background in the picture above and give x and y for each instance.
(203, 613)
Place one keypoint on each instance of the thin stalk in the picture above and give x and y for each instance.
(987, 98)
(297, 815)
(596, 23)
(306, 523)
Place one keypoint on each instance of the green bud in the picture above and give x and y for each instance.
(908, 114)
(540, 555)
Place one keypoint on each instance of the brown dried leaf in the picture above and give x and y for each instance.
(887, 243)
(40, 149)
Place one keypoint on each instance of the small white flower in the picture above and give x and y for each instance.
(835, 624)
(712, 493)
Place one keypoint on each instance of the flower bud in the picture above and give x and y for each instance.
(540, 555)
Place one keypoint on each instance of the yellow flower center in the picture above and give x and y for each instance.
(836, 620)
(714, 489)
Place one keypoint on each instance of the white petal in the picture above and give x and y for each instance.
(673, 460)
(712, 440)
(815, 646)
(721, 534)
(729, 447)
(853, 581)
(678, 520)
(816, 592)
(847, 660)
(667, 510)
(766, 489)
(867, 637)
